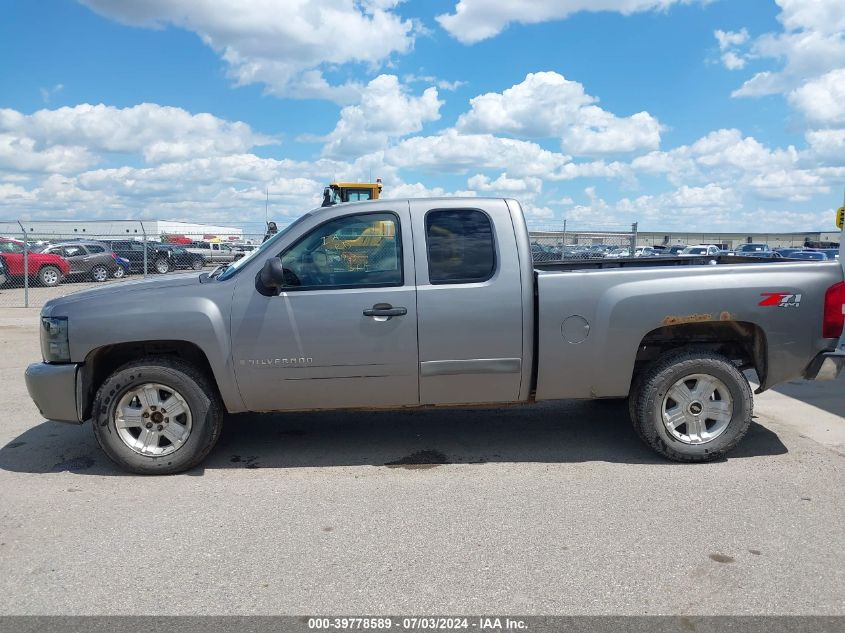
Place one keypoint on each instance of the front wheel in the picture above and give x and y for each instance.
(159, 415)
(49, 276)
(162, 266)
(692, 406)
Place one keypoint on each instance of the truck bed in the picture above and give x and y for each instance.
(595, 316)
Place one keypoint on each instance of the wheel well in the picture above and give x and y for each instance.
(743, 343)
(103, 361)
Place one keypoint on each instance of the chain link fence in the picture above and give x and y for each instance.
(42, 260)
(39, 261)
(563, 243)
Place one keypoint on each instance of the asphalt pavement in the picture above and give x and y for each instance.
(552, 509)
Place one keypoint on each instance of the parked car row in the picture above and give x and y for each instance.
(160, 258)
(550, 252)
(51, 263)
(46, 268)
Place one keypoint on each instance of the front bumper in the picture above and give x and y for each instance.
(53, 388)
(826, 366)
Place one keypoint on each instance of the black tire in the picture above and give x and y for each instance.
(200, 395)
(99, 273)
(162, 265)
(49, 276)
(197, 264)
(649, 391)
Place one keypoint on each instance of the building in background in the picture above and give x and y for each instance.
(730, 241)
(125, 229)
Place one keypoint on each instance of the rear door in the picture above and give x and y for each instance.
(75, 256)
(469, 298)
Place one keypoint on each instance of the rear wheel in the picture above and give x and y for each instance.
(99, 273)
(692, 406)
(196, 264)
(157, 416)
(49, 276)
(119, 272)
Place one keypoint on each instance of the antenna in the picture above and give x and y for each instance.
(267, 205)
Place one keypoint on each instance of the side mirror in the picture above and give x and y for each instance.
(271, 277)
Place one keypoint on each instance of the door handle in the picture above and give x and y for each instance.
(385, 310)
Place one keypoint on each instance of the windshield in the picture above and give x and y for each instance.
(232, 268)
(695, 251)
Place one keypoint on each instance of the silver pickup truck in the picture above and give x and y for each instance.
(213, 251)
(431, 303)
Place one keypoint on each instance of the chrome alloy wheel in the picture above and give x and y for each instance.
(50, 277)
(153, 419)
(99, 273)
(697, 409)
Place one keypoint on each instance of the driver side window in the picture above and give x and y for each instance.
(353, 251)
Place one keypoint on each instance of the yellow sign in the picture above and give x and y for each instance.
(840, 216)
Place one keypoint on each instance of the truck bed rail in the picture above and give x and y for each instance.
(650, 262)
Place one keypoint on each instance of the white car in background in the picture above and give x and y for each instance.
(701, 250)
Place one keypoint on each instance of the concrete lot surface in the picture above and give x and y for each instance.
(556, 509)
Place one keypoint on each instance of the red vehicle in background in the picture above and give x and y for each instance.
(48, 270)
(177, 239)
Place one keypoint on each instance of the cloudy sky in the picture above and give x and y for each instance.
(709, 114)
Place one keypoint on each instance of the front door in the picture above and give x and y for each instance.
(343, 333)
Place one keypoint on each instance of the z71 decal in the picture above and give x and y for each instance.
(780, 300)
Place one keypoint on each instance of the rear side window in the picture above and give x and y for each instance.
(460, 246)
(94, 248)
(73, 251)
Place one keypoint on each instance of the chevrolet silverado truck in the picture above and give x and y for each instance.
(432, 303)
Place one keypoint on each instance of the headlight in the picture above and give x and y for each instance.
(55, 347)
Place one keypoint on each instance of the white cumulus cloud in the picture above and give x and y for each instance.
(822, 100)
(811, 43)
(476, 20)
(284, 44)
(546, 104)
(828, 145)
(386, 111)
(70, 137)
(730, 44)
